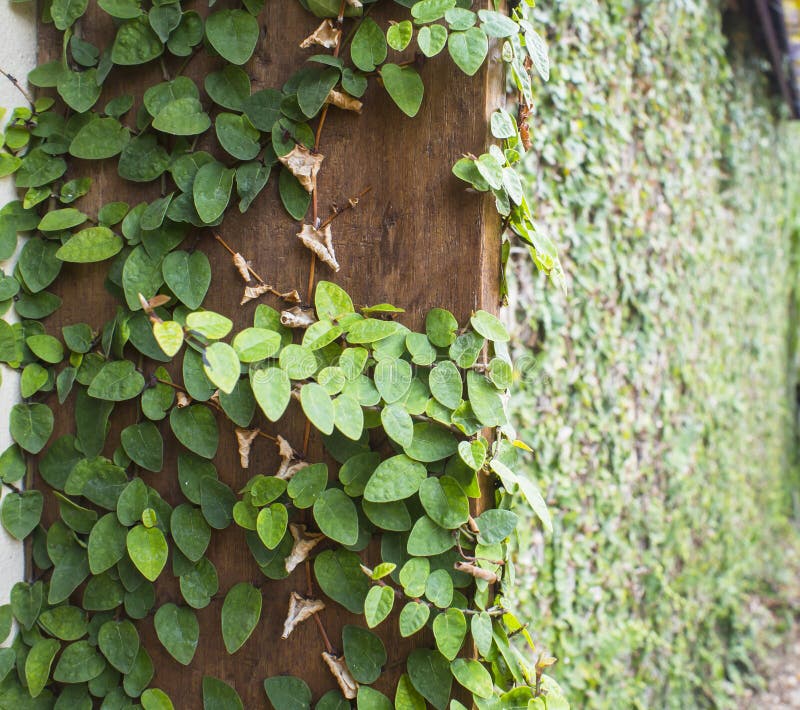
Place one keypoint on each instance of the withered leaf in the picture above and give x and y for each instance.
(245, 439)
(341, 672)
(326, 35)
(303, 544)
(304, 165)
(297, 318)
(477, 572)
(300, 609)
(242, 267)
(343, 100)
(320, 241)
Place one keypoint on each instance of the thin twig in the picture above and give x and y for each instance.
(336, 211)
(18, 86)
(233, 253)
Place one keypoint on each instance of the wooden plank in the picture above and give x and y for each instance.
(418, 240)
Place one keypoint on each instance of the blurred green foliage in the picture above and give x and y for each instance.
(659, 394)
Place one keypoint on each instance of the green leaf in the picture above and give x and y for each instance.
(221, 365)
(450, 630)
(209, 324)
(21, 512)
(317, 406)
(332, 301)
(314, 89)
(473, 676)
(393, 378)
(188, 34)
(46, 348)
(39, 169)
(136, 43)
(263, 108)
(199, 584)
(31, 426)
(439, 588)
(472, 453)
(38, 264)
(144, 445)
(218, 695)
(271, 525)
(496, 525)
(90, 245)
(232, 33)
(286, 692)
(441, 326)
(378, 605)
(255, 344)
(406, 697)
(430, 676)
(413, 576)
(364, 653)
(38, 664)
(397, 424)
(99, 139)
(405, 87)
(432, 39)
(307, 485)
(444, 501)
(148, 550)
(80, 90)
(485, 400)
(497, 24)
(489, 327)
(12, 465)
(371, 699)
(413, 617)
(64, 14)
(117, 381)
(428, 539)
(337, 517)
(79, 662)
(294, 196)
(241, 612)
(143, 159)
(190, 531)
(339, 576)
(107, 544)
(468, 49)
(212, 190)
(481, 630)
(169, 336)
(229, 88)
(119, 643)
(156, 699)
(537, 49)
(141, 276)
(348, 416)
(182, 117)
(368, 48)
(272, 390)
(237, 136)
(395, 478)
(399, 35)
(446, 385)
(430, 10)
(58, 220)
(196, 428)
(178, 631)
(431, 442)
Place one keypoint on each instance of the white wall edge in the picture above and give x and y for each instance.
(17, 57)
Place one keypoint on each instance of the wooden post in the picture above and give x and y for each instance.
(418, 240)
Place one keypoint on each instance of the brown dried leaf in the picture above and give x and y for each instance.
(340, 671)
(321, 243)
(242, 267)
(183, 400)
(289, 473)
(343, 100)
(326, 35)
(291, 296)
(300, 609)
(245, 439)
(297, 318)
(253, 292)
(304, 165)
(290, 461)
(303, 544)
(477, 572)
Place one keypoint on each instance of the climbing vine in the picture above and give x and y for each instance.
(415, 420)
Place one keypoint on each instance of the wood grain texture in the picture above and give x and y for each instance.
(418, 240)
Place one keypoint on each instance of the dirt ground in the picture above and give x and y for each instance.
(783, 674)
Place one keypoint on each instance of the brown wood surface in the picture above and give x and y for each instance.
(418, 240)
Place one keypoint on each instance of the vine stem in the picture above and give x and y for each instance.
(233, 253)
(310, 593)
(18, 86)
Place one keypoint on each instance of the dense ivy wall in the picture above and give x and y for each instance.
(656, 393)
